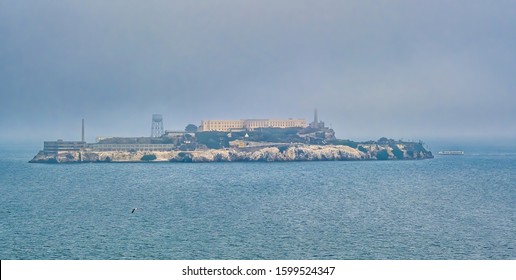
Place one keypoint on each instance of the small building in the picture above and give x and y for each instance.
(60, 145)
(178, 133)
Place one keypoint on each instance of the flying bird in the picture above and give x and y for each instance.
(134, 209)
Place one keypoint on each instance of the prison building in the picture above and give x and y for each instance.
(249, 124)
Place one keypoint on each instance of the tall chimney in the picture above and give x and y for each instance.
(82, 137)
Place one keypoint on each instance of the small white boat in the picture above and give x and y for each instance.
(451, 153)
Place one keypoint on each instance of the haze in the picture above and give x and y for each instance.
(400, 69)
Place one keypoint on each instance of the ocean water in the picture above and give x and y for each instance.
(450, 207)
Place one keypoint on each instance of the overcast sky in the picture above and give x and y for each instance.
(400, 69)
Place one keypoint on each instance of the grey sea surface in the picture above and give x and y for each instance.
(449, 207)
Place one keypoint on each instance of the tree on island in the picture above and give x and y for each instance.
(191, 128)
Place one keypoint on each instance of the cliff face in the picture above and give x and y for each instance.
(267, 154)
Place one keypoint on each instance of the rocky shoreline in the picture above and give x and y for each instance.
(284, 153)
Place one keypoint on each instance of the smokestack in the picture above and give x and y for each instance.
(82, 137)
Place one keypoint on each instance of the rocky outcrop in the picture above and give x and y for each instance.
(265, 154)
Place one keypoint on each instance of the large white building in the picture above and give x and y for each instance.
(249, 124)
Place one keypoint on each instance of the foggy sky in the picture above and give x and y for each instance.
(400, 69)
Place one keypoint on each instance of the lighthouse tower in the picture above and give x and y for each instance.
(316, 123)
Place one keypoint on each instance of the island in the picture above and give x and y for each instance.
(264, 145)
(244, 140)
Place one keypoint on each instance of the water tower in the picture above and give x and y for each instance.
(157, 126)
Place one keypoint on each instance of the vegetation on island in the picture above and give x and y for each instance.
(191, 128)
(349, 143)
(213, 139)
(148, 157)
